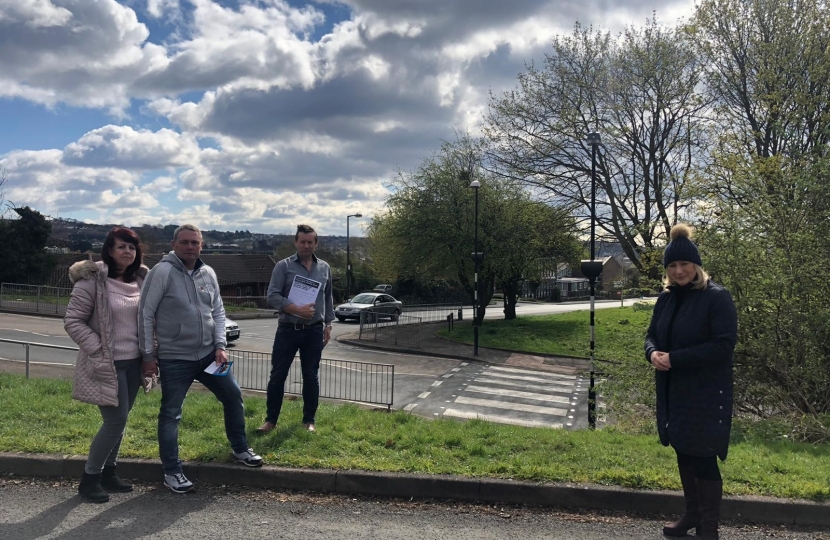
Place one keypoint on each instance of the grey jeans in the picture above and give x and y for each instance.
(107, 442)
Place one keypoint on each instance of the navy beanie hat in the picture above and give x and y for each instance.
(681, 247)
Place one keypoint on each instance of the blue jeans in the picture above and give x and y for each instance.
(287, 342)
(176, 377)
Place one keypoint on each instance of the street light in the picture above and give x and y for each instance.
(475, 184)
(592, 269)
(348, 261)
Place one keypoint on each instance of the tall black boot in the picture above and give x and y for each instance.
(111, 482)
(90, 488)
(710, 494)
(691, 519)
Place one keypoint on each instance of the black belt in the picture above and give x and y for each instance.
(298, 326)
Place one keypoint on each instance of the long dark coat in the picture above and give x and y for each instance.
(698, 328)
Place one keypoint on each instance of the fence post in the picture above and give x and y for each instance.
(461, 312)
(27, 360)
(38, 298)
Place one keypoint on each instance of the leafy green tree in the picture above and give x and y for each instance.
(640, 93)
(769, 72)
(428, 229)
(22, 243)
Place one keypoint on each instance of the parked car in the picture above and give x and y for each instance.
(378, 304)
(231, 330)
(383, 287)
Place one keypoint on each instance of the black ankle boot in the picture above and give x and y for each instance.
(111, 482)
(90, 488)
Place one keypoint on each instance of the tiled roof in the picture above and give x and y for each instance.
(230, 268)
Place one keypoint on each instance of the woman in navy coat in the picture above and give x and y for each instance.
(690, 342)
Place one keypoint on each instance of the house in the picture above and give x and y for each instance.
(240, 275)
(612, 271)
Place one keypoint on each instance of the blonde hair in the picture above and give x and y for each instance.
(701, 280)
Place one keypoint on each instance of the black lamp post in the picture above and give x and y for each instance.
(348, 260)
(477, 256)
(592, 270)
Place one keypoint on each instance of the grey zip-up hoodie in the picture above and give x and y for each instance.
(181, 312)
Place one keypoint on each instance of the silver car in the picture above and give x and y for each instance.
(378, 304)
(231, 330)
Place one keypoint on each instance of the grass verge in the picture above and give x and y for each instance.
(38, 416)
(619, 333)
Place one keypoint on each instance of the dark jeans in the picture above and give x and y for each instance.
(176, 377)
(706, 468)
(309, 341)
(107, 442)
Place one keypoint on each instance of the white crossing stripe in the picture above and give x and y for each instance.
(410, 407)
(529, 372)
(555, 387)
(517, 394)
(424, 395)
(500, 419)
(520, 378)
(461, 400)
(437, 383)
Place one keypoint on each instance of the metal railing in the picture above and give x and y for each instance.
(339, 379)
(252, 302)
(34, 298)
(403, 330)
(346, 380)
(27, 346)
(433, 312)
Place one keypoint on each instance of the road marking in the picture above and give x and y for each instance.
(513, 393)
(447, 376)
(552, 411)
(35, 333)
(424, 395)
(529, 372)
(437, 383)
(555, 387)
(454, 413)
(520, 378)
(409, 407)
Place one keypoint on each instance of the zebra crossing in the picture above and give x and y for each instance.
(507, 395)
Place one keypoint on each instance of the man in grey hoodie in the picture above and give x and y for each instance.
(183, 326)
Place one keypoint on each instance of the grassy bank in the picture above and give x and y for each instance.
(619, 333)
(39, 416)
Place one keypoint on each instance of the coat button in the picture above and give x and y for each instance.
(721, 407)
(721, 391)
(720, 421)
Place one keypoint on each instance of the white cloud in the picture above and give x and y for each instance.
(124, 147)
(161, 8)
(78, 52)
(258, 114)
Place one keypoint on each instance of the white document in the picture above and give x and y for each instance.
(304, 291)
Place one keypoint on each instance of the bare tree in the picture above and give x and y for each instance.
(639, 92)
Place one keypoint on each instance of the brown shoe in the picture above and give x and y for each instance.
(310, 427)
(266, 427)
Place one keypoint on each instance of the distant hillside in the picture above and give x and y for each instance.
(78, 236)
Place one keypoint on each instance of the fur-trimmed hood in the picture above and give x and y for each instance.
(93, 270)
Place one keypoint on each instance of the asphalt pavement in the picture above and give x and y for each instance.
(762, 510)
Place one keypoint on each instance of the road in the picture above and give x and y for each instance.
(427, 386)
(50, 509)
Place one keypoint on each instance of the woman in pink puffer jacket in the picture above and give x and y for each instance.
(102, 318)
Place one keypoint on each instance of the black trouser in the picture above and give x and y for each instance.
(706, 468)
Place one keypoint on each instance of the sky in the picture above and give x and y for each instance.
(256, 114)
